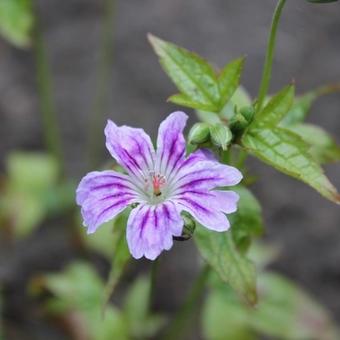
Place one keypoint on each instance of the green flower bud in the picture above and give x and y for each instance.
(188, 229)
(199, 133)
(248, 113)
(238, 123)
(221, 135)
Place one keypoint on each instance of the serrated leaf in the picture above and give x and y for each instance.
(300, 109)
(229, 79)
(219, 250)
(276, 109)
(16, 21)
(192, 75)
(247, 221)
(184, 100)
(288, 153)
(323, 147)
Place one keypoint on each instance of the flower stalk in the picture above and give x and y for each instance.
(268, 64)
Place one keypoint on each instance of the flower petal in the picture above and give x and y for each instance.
(170, 142)
(102, 195)
(205, 175)
(132, 148)
(150, 229)
(206, 208)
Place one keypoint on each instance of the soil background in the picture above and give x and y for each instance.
(300, 221)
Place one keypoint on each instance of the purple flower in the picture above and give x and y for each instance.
(163, 183)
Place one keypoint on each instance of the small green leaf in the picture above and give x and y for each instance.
(323, 147)
(184, 100)
(229, 80)
(221, 135)
(219, 250)
(16, 21)
(247, 221)
(276, 109)
(288, 153)
(192, 75)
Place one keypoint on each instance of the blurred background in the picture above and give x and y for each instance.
(303, 224)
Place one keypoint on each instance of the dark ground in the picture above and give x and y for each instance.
(305, 225)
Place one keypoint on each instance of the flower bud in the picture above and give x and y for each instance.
(199, 133)
(248, 113)
(221, 135)
(188, 228)
(238, 123)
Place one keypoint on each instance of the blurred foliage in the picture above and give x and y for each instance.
(284, 310)
(31, 191)
(16, 21)
(78, 291)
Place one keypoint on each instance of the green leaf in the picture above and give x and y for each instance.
(276, 109)
(192, 75)
(31, 171)
(229, 79)
(16, 21)
(300, 109)
(224, 317)
(288, 153)
(219, 250)
(323, 147)
(140, 323)
(284, 312)
(184, 100)
(247, 221)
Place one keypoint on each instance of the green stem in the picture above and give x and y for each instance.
(103, 76)
(181, 320)
(268, 64)
(44, 84)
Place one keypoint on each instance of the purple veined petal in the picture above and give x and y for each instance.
(206, 175)
(102, 196)
(150, 229)
(132, 148)
(170, 142)
(185, 165)
(204, 207)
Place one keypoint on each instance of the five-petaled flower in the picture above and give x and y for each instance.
(163, 183)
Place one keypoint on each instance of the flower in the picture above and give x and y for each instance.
(163, 183)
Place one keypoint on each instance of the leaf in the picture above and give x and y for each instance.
(184, 100)
(300, 108)
(16, 21)
(247, 221)
(323, 147)
(219, 251)
(140, 323)
(192, 75)
(288, 153)
(284, 311)
(276, 109)
(229, 79)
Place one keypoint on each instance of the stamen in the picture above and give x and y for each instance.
(157, 182)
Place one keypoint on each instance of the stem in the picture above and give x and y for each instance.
(44, 83)
(153, 280)
(103, 76)
(181, 320)
(267, 70)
